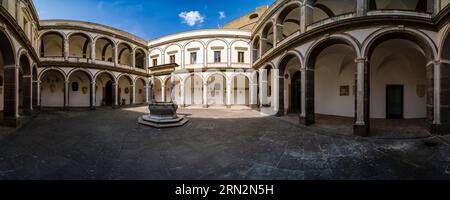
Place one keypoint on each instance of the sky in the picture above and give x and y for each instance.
(150, 19)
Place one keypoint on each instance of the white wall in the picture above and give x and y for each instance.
(158, 90)
(123, 84)
(173, 50)
(240, 93)
(194, 47)
(52, 90)
(223, 50)
(398, 66)
(79, 98)
(335, 67)
(216, 90)
(194, 83)
(139, 86)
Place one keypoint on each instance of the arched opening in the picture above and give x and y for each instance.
(256, 49)
(125, 94)
(79, 46)
(7, 82)
(104, 89)
(330, 85)
(25, 81)
(406, 5)
(52, 89)
(140, 91)
(267, 39)
(289, 66)
(401, 86)
(240, 90)
(217, 90)
(176, 90)
(445, 85)
(52, 45)
(158, 90)
(194, 90)
(125, 54)
(35, 89)
(104, 48)
(288, 21)
(79, 89)
(324, 9)
(140, 59)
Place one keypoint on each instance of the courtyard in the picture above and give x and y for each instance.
(109, 144)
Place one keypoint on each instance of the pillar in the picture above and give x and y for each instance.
(229, 94)
(146, 94)
(115, 56)
(163, 92)
(66, 94)
(205, 94)
(308, 117)
(362, 6)
(263, 87)
(93, 55)
(276, 95)
(92, 95)
(183, 95)
(115, 94)
(10, 96)
(66, 49)
(306, 16)
(361, 126)
(38, 94)
(254, 95)
(133, 94)
(133, 59)
(27, 94)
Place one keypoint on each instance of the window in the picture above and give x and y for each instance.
(217, 55)
(240, 57)
(74, 86)
(193, 57)
(172, 59)
(155, 62)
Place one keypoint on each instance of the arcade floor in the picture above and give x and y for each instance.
(220, 144)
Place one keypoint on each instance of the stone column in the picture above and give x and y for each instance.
(27, 94)
(163, 92)
(66, 49)
(38, 93)
(278, 33)
(303, 94)
(438, 74)
(276, 87)
(361, 126)
(115, 55)
(308, 117)
(205, 94)
(133, 94)
(133, 59)
(229, 94)
(183, 95)
(306, 12)
(362, 6)
(115, 94)
(93, 95)
(9, 92)
(146, 94)
(253, 95)
(93, 56)
(172, 92)
(263, 87)
(66, 94)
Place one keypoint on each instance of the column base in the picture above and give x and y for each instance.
(305, 121)
(361, 130)
(440, 129)
(11, 122)
(254, 106)
(205, 106)
(228, 106)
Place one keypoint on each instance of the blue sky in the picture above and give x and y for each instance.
(149, 19)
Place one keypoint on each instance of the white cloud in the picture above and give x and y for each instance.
(222, 15)
(192, 18)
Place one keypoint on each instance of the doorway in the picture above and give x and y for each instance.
(394, 101)
(109, 93)
(296, 93)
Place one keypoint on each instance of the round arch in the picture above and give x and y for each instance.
(52, 84)
(193, 89)
(77, 49)
(104, 48)
(52, 47)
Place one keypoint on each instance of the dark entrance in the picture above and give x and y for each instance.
(109, 93)
(296, 94)
(394, 101)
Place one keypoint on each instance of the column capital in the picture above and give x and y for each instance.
(361, 60)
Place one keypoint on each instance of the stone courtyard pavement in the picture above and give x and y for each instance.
(215, 144)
